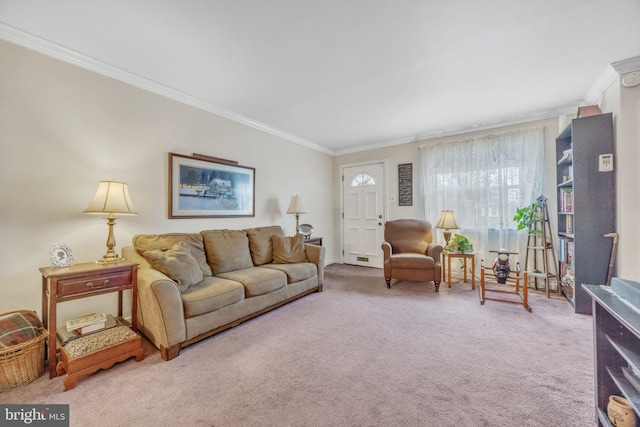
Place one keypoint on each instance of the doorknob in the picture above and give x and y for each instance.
(379, 223)
(380, 216)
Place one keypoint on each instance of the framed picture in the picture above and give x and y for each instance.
(405, 184)
(203, 188)
(61, 255)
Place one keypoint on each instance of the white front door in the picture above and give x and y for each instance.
(363, 190)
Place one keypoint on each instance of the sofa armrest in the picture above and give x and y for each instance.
(160, 309)
(316, 255)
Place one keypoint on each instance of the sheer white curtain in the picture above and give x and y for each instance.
(483, 180)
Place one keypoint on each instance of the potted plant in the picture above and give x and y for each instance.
(525, 217)
(459, 245)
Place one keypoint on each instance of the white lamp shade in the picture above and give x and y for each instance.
(111, 197)
(296, 206)
(446, 221)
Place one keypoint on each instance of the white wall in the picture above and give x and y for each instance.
(625, 104)
(63, 129)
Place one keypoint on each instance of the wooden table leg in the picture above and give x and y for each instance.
(464, 258)
(473, 272)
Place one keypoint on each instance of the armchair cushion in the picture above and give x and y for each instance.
(408, 235)
(410, 246)
(422, 262)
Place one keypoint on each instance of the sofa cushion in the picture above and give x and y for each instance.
(177, 263)
(257, 280)
(213, 293)
(227, 250)
(260, 243)
(295, 272)
(413, 261)
(147, 242)
(288, 250)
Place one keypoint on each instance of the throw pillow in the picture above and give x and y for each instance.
(177, 263)
(260, 243)
(147, 242)
(289, 250)
(227, 250)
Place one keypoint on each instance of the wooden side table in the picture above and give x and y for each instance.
(464, 257)
(314, 241)
(81, 281)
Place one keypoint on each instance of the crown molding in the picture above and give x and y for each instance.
(606, 79)
(627, 65)
(45, 47)
(507, 121)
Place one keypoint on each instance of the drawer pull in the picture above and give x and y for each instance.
(91, 285)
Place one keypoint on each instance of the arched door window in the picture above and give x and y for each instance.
(362, 180)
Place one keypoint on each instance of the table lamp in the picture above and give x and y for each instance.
(297, 207)
(448, 222)
(111, 198)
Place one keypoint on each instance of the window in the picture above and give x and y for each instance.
(483, 180)
(362, 180)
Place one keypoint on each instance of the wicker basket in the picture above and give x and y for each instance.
(22, 363)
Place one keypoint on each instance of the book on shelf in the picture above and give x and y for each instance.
(65, 336)
(569, 224)
(566, 200)
(82, 321)
(570, 251)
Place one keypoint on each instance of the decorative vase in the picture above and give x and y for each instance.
(621, 412)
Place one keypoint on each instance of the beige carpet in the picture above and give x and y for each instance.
(357, 354)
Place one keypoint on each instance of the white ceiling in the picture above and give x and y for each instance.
(344, 75)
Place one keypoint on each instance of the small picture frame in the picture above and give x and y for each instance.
(61, 255)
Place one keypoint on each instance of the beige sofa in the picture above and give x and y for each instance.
(194, 285)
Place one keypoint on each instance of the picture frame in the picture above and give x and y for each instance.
(208, 187)
(405, 184)
(60, 255)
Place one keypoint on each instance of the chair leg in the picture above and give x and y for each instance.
(388, 280)
(437, 283)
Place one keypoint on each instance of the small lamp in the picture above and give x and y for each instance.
(111, 198)
(297, 207)
(447, 221)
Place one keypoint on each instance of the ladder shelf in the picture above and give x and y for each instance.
(540, 262)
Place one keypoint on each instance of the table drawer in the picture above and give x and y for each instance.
(92, 283)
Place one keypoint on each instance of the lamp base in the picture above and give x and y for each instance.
(447, 236)
(110, 258)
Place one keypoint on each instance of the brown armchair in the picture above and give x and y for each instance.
(409, 253)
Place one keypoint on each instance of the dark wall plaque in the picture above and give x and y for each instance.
(405, 184)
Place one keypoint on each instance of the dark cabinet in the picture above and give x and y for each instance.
(586, 199)
(617, 349)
